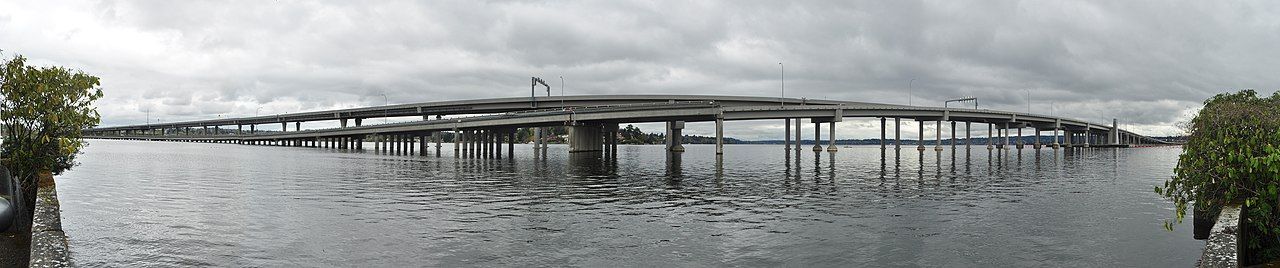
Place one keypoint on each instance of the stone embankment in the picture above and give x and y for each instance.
(48, 243)
(1222, 249)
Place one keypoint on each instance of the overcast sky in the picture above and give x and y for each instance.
(1149, 64)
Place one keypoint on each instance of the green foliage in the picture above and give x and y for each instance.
(44, 111)
(1232, 157)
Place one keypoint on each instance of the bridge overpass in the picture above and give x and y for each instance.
(481, 126)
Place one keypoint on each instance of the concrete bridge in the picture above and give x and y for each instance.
(481, 126)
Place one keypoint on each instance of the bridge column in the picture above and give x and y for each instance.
(1068, 137)
(358, 121)
(920, 140)
(990, 137)
(343, 122)
(511, 143)
(831, 128)
(787, 138)
(953, 135)
(1005, 134)
(457, 143)
(897, 133)
(613, 138)
(720, 136)
(1037, 145)
(497, 144)
(882, 130)
(937, 136)
(408, 144)
(297, 126)
(1021, 143)
(1086, 137)
(675, 128)
(968, 142)
(585, 138)
(252, 130)
(817, 136)
(360, 142)
(423, 143)
(799, 139)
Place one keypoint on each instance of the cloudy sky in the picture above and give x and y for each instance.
(1149, 64)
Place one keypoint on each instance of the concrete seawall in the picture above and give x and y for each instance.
(49, 246)
(1223, 247)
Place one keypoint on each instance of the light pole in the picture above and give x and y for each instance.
(385, 102)
(909, 90)
(783, 71)
(1028, 100)
(255, 112)
(561, 92)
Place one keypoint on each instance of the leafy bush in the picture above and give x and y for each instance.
(44, 110)
(1232, 157)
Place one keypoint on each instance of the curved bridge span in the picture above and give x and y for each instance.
(481, 125)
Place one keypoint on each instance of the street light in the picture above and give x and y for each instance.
(385, 102)
(1028, 100)
(909, 90)
(783, 70)
(562, 92)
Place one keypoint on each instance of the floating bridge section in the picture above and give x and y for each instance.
(479, 127)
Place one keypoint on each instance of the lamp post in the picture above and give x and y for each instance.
(783, 71)
(385, 102)
(1028, 100)
(909, 90)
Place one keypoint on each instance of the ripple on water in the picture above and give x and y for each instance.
(180, 204)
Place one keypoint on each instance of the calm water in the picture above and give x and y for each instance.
(164, 204)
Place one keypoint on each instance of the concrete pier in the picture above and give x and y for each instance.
(832, 137)
(817, 136)
(675, 136)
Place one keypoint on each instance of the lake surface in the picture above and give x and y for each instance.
(134, 203)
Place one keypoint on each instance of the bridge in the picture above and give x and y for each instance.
(479, 127)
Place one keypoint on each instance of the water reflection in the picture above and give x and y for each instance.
(639, 205)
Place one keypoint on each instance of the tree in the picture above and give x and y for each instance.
(44, 110)
(1232, 157)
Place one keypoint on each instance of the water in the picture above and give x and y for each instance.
(160, 204)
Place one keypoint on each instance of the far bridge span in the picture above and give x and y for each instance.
(481, 126)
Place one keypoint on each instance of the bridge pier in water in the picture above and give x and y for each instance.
(674, 136)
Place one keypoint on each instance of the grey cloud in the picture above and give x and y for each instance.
(1145, 63)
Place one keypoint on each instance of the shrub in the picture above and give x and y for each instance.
(1232, 157)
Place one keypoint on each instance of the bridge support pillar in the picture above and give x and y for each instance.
(897, 133)
(1004, 133)
(297, 126)
(1086, 138)
(674, 136)
(719, 136)
(252, 129)
(511, 144)
(953, 135)
(1037, 145)
(882, 130)
(937, 136)
(968, 141)
(787, 138)
(920, 139)
(408, 144)
(817, 136)
(457, 143)
(831, 137)
(1021, 143)
(423, 145)
(1067, 136)
(358, 121)
(799, 138)
(585, 138)
(990, 138)
(359, 143)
